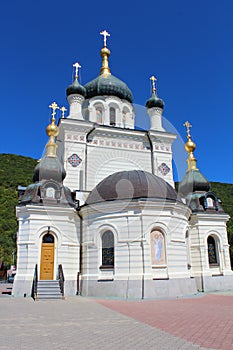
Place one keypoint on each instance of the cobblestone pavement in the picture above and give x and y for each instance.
(81, 323)
(206, 320)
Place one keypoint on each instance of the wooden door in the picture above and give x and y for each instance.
(47, 261)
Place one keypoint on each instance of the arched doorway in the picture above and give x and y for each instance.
(47, 257)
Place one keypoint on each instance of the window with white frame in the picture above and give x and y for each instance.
(107, 249)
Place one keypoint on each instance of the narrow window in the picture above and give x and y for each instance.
(112, 116)
(107, 249)
(212, 251)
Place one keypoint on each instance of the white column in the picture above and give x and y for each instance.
(106, 116)
(75, 102)
(155, 115)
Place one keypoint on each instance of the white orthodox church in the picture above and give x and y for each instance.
(102, 217)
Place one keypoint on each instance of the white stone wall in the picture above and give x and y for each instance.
(34, 221)
(103, 151)
(202, 225)
(162, 154)
(131, 224)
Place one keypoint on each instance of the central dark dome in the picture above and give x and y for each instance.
(108, 85)
(132, 184)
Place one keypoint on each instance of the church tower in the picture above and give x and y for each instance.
(98, 138)
(49, 229)
(206, 237)
(160, 140)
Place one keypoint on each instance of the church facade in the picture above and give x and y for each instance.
(103, 208)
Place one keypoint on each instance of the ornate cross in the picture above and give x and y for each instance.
(76, 65)
(63, 110)
(153, 82)
(54, 106)
(105, 34)
(188, 126)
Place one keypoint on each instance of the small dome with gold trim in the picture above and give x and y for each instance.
(76, 88)
(154, 101)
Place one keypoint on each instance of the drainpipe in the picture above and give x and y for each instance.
(151, 151)
(127, 288)
(79, 274)
(143, 259)
(202, 277)
(88, 134)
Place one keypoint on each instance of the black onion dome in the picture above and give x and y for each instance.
(108, 85)
(76, 88)
(154, 101)
(193, 181)
(49, 168)
(132, 184)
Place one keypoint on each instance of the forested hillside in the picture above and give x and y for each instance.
(18, 170)
(225, 194)
(14, 170)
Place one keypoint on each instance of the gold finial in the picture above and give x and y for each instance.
(105, 53)
(190, 147)
(76, 65)
(153, 83)
(105, 35)
(52, 131)
(63, 110)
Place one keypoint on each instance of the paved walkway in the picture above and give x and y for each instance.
(82, 323)
(205, 320)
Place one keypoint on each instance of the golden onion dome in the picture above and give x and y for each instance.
(52, 129)
(190, 146)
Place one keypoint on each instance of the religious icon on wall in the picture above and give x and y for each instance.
(99, 115)
(157, 248)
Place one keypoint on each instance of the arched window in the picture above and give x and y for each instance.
(107, 249)
(157, 244)
(209, 202)
(50, 192)
(48, 238)
(99, 115)
(212, 251)
(112, 116)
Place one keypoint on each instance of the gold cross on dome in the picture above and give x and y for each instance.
(63, 110)
(153, 82)
(54, 106)
(105, 34)
(188, 126)
(76, 65)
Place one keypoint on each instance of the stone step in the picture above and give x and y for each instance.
(48, 289)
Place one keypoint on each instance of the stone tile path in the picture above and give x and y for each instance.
(206, 320)
(81, 323)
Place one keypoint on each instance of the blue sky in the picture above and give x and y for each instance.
(186, 44)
